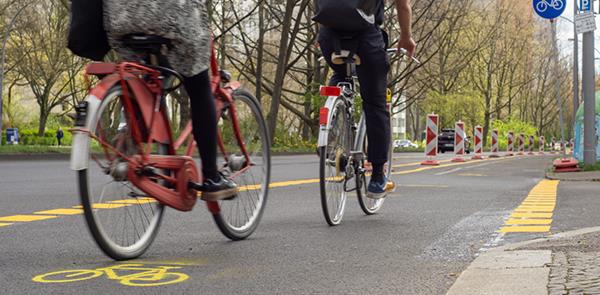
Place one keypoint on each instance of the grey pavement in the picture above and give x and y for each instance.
(428, 232)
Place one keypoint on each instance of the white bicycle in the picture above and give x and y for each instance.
(544, 4)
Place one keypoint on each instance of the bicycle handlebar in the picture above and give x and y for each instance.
(403, 52)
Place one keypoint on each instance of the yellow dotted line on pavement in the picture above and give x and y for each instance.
(534, 215)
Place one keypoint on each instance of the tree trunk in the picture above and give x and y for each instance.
(281, 68)
(260, 51)
(43, 120)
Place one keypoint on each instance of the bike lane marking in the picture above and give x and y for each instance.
(5, 224)
(138, 274)
(26, 218)
(534, 214)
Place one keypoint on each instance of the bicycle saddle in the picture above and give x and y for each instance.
(146, 43)
(342, 58)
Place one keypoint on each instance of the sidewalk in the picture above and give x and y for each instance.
(574, 176)
(565, 263)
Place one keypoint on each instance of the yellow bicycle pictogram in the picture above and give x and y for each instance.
(133, 274)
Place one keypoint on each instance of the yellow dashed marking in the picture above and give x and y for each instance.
(104, 206)
(514, 221)
(134, 201)
(534, 215)
(60, 212)
(5, 224)
(25, 218)
(525, 229)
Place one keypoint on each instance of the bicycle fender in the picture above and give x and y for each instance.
(324, 129)
(81, 140)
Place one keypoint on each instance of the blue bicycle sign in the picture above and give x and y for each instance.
(549, 8)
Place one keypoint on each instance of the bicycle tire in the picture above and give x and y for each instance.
(368, 205)
(333, 203)
(108, 241)
(85, 274)
(253, 194)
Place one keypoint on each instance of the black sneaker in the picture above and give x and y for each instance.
(223, 189)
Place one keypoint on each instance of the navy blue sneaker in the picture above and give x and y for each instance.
(380, 187)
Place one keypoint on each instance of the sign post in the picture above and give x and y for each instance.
(586, 25)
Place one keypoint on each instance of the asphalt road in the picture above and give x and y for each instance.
(426, 234)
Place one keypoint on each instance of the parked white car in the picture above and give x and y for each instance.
(404, 143)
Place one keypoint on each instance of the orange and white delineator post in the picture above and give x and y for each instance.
(494, 153)
(431, 148)
(459, 142)
(521, 143)
(510, 147)
(478, 143)
(531, 145)
(542, 141)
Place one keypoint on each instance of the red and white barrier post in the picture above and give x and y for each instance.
(431, 149)
(521, 143)
(478, 143)
(553, 147)
(510, 147)
(531, 145)
(459, 142)
(494, 144)
(542, 140)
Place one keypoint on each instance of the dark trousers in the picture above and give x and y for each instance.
(370, 45)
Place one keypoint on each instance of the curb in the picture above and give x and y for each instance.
(506, 270)
(593, 176)
(67, 156)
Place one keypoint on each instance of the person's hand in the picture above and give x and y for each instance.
(409, 44)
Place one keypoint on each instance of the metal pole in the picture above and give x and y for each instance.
(6, 35)
(575, 64)
(557, 83)
(589, 100)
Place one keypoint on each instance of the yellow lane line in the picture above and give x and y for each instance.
(534, 215)
(514, 221)
(104, 206)
(415, 164)
(25, 218)
(60, 212)
(50, 214)
(525, 229)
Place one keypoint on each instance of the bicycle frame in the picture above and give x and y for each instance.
(145, 84)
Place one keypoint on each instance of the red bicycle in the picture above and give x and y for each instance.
(130, 166)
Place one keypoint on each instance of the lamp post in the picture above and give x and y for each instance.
(6, 35)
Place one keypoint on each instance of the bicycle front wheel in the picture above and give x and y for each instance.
(122, 219)
(334, 159)
(238, 218)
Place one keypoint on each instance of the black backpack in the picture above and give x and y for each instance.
(346, 15)
(87, 37)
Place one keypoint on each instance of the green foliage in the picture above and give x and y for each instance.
(590, 167)
(30, 137)
(464, 106)
(33, 149)
(510, 125)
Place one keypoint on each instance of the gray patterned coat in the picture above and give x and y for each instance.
(184, 22)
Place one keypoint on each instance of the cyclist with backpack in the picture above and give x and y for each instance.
(355, 26)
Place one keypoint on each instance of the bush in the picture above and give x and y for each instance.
(30, 137)
(510, 125)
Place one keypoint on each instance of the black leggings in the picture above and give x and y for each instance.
(204, 121)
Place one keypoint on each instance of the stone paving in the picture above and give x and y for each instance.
(575, 267)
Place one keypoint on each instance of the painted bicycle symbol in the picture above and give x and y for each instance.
(543, 5)
(134, 274)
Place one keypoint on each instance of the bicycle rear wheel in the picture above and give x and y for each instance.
(334, 158)
(238, 218)
(368, 205)
(122, 219)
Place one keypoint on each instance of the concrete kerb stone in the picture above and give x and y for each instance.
(575, 176)
(506, 270)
